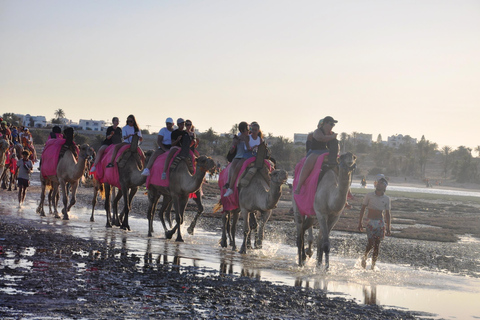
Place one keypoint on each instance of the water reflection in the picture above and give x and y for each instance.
(370, 295)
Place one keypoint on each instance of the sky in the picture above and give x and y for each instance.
(378, 67)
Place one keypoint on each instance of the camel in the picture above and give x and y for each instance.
(129, 171)
(254, 197)
(330, 199)
(69, 170)
(182, 183)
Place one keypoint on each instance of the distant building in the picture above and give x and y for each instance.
(397, 140)
(300, 138)
(32, 121)
(364, 138)
(95, 125)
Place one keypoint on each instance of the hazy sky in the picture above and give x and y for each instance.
(379, 67)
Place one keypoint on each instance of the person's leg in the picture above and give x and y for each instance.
(151, 161)
(367, 251)
(20, 187)
(231, 169)
(100, 152)
(376, 248)
(233, 179)
(333, 152)
(114, 153)
(24, 193)
(306, 169)
(167, 161)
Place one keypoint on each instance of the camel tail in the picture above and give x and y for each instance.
(101, 190)
(218, 206)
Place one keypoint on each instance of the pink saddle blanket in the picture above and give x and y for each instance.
(305, 199)
(110, 175)
(155, 176)
(231, 202)
(50, 155)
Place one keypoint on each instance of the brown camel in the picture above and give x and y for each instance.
(68, 171)
(182, 183)
(129, 170)
(254, 198)
(330, 199)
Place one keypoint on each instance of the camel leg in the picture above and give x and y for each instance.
(168, 212)
(40, 209)
(127, 197)
(153, 197)
(233, 228)
(246, 230)
(73, 200)
(253, 228)
(94, 202)
(309, 250)
(108, 212)
(165, 212)
(55, 198)
(116, 198)
(63, 189)
(198, 201)
(225, 226)
(182, 204)
(322, 238)
(265, 215)
(326, 249)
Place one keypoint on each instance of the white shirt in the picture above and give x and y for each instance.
(128, 130)
(167, 135)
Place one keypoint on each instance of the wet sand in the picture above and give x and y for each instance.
(68, 277)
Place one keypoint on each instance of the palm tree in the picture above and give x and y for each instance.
(59, 113)
(477, 150)
(446, 150)
(425, 149)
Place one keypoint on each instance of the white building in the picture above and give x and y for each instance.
(95, 125)
(300, 138)
(32, 121)
(399, 139)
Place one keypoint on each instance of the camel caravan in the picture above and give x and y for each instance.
(250, 185)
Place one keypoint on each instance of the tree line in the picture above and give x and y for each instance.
(409, 159)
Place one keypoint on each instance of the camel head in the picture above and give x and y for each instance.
(205, 164)
(348, 161)
(86, 151)
(279, 176)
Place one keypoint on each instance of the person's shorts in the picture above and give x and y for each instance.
(317, 152)
(23, 182)
(375, 229)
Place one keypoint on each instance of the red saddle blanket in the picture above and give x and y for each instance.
(110, 175)
(50, 155)
(155, 176)
(231, 202)
(305, 199)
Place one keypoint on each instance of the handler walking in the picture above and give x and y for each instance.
(378, 204)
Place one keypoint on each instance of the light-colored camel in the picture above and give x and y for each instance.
(69, 170)
(182, 183)
(254, 198)
(330, 199)
(129, 171)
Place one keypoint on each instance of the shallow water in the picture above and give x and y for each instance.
(436, 295)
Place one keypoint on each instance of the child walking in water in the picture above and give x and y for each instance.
(25, 168)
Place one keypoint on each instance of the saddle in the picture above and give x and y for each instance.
(257, 166)
(130, 152)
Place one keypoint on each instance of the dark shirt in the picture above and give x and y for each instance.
(115, 139)
(184, 134)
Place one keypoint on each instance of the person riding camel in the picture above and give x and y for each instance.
(323, 140)
(180, 141)
(128, 132)
(164, 142)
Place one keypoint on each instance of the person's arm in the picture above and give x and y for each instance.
(160, 143)
(110, 132)
(320, 136)
(388, 222)
(360, 221)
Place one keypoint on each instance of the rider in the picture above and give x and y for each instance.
(128, 132)
(164, 142)
(113, 136)
(323, 140)
(180, 140)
